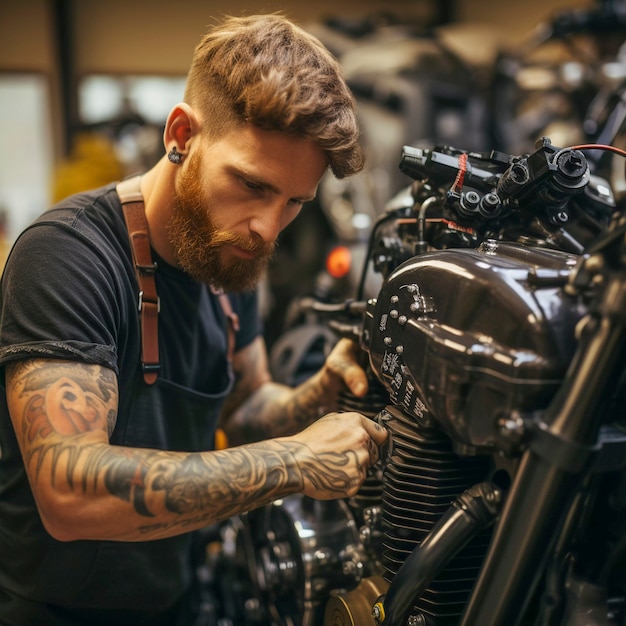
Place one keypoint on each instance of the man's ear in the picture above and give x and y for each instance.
(181, 125)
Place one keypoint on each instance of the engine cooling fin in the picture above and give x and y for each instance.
(422, 477)
(370, 492)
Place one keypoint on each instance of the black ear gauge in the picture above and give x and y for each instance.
(175, 156)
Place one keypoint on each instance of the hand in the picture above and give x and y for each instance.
(342, 367)
(334, 454)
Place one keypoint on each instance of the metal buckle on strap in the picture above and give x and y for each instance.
(140, 302)
(147, 270)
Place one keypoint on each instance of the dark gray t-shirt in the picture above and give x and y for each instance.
(69, 291)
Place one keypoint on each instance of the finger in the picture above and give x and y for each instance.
(356, 380)
(345, 364)
(376, 432)
(373, 451)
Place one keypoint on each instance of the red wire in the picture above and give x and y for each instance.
(599, 146)
(457, 186)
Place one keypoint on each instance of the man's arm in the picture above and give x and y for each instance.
(86, 488)
(259, 408)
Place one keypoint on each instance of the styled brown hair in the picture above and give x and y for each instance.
(269, 72)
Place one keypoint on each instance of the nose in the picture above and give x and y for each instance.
(268, 222)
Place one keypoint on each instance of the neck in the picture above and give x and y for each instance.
(157, 188)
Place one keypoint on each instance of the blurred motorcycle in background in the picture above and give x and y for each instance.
(568, 82)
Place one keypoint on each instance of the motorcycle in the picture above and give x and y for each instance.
(494, 343)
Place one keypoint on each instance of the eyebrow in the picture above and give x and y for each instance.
(253, 178)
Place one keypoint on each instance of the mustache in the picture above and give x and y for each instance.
(257, 247)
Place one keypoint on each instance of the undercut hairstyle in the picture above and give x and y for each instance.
(267, 71)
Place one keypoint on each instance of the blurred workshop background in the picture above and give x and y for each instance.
(85, 86)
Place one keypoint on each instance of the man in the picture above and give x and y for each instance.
(107, 459)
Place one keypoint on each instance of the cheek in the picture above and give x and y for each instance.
(289, 215)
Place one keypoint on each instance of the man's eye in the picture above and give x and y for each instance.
(252, 185)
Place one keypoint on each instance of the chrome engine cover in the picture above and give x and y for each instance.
(294, 552)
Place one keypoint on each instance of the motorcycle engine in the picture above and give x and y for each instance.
(464, 346)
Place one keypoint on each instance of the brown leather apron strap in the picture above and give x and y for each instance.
(231, 317)
(145, 268)
(148, 301)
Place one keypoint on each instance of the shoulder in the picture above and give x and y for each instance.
(97, 212)
(87, 227)
(68, 287)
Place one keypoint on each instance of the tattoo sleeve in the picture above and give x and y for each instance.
(62, 413)
(274, 411)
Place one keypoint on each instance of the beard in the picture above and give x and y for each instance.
(198, 243)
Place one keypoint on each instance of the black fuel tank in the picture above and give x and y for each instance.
(470, 336)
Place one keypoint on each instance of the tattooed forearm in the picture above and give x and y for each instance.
(274, 411)
(194, 488)
(240, 480)
(87, 488)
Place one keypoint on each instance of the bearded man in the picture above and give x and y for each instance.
(129, 334)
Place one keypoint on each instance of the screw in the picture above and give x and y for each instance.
(572, 164)
(377, 612)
